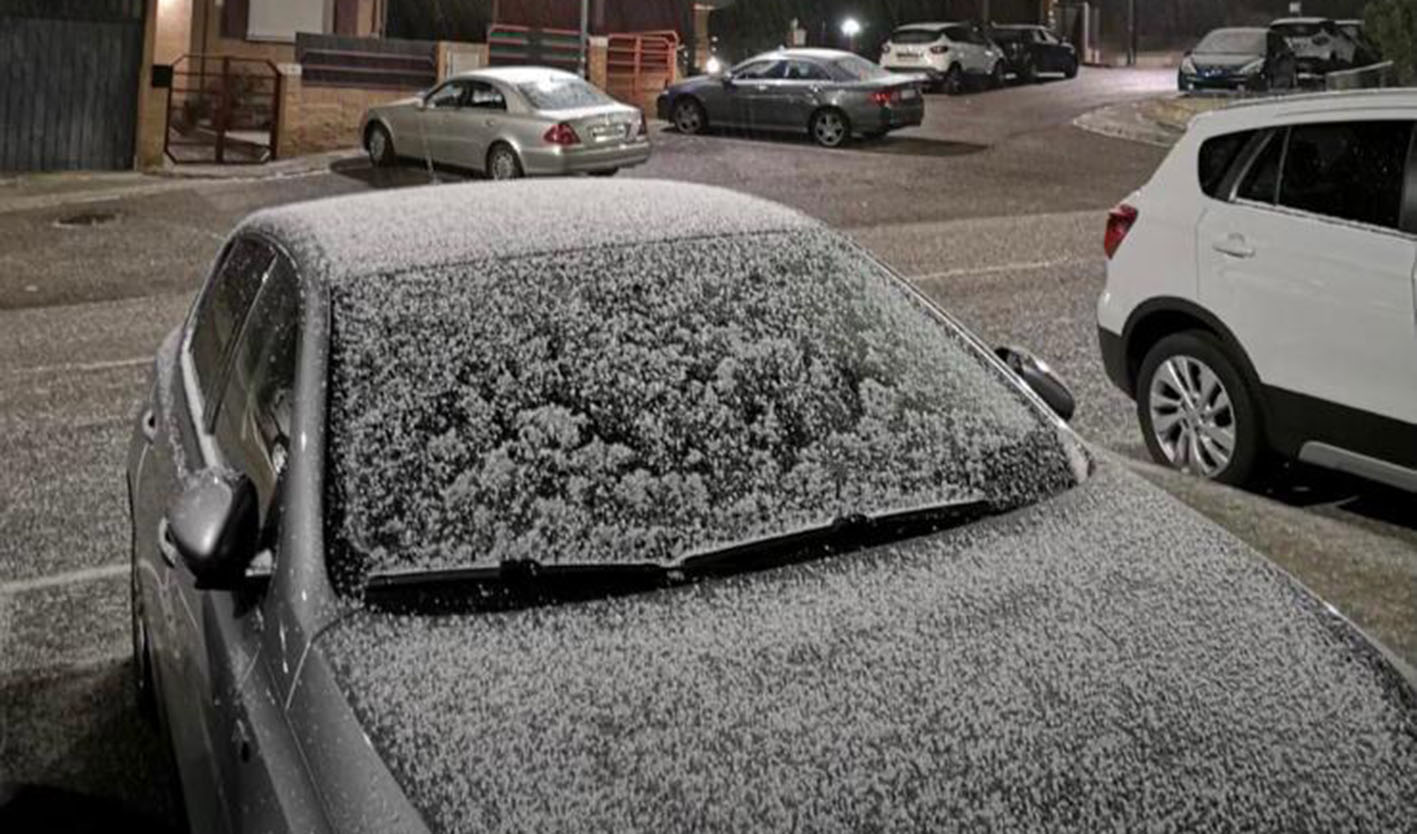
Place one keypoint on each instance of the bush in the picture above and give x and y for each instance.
(1392, 25)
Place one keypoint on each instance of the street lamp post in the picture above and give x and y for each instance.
(585, 38)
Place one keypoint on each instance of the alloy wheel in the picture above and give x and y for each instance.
(1192, 417)
(377, 146)
(504, 165)
(688, 118)
(829, 129)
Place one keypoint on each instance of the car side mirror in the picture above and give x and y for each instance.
(1041, 379)
(420, 104)
(214, 524)
(726, 79)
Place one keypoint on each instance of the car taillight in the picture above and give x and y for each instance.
(885, 97)
(1119, 222)
(562, 134)
(940, 49)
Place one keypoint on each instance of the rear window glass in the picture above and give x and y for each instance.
(1349, 170)
(916, 36)
(1299, 30)
(629, 404)
(562, 94)
(1217, 156)
(856, 68)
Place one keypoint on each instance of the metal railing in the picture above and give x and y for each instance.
(507, 44)
(222, 109)
(1360, 78)
(640, 63)
(340, 61)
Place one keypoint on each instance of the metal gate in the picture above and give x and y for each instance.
(69, 83)
(640, 64)
(222, 109)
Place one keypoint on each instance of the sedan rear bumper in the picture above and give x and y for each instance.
(553, 161)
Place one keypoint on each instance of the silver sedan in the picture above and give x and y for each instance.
(509, 122)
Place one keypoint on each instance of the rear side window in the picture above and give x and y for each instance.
(1218, 155)
(1262, 180)
(223, 310)
(1348, 170)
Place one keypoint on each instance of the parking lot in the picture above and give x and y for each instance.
(994, 208)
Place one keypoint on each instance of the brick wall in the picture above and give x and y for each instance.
(323, 118)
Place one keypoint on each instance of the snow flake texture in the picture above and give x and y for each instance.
(633, 403)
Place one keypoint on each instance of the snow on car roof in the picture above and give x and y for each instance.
(517, 75)
(390, 231)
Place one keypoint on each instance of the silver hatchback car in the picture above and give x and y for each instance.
(509, 122)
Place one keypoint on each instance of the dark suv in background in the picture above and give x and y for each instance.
(1032, 50)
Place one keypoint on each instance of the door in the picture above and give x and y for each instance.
(787, 103)
(481, 119)
(437, 122)
(1310, 268)
(177, 613)
(748, 81)
(69, 99)
(251, 435)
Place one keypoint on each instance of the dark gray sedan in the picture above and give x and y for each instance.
(831, 95)
(582, 506)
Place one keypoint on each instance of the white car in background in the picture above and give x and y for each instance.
(1260, 290)
(1318, 43)
(949, 54)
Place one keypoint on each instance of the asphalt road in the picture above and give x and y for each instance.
(994, 207)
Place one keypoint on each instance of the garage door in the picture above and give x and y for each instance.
(69, 83)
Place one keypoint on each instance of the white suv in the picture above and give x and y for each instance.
(948, 53)
(1261, 290)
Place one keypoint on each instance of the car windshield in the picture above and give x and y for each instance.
(1299, 30)
(916, 36)
(562, 93)
(859, 69)
(636, 404)
(1233, 42)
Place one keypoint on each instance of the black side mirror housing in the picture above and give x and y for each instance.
(1041, 379)
(214, 523)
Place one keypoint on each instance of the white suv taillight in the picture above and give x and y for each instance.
(1119, 222)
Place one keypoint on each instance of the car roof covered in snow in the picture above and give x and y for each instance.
(403, 229)
(516, 75)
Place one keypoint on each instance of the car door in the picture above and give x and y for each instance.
(251, 434)
(177, 624)
(480, 120)
(438, 121)
(1053, 56)
(749, 81)
(1282, 65)
(1311, 265)
(788, 102)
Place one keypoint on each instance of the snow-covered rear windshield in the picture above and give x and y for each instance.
(629, 404)
(916, 36)
(562, 94)
(1233, 42)
(856, 68)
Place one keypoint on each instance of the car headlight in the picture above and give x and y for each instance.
(1254, 67)
(1188, 66)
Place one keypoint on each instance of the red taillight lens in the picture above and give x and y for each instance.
(939, 49)
(885, 97)
(1119, 222)
(562, 134)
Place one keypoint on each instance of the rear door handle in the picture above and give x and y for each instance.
(166, 545)
(1235, 246)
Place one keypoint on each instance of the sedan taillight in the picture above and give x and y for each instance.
(885, 97)
(940, 49)
(1119, 223)
(562, 134)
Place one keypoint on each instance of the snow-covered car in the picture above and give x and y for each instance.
(1319, 45)
(1251, 59)
(1260, 290)
(949, 55)
(572, 506)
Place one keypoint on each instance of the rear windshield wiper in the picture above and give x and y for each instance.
(527, 583)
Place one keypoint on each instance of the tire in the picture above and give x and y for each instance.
(609, 172)
(1072, 70)
(380, 146)
(953, 82)
(1028, 73)
(1191, 387)
(689, 117)
(503, 164)
(997, 76)
(144, 687)
(829, 128)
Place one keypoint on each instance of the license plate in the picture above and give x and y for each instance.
(909, 93)
(604, 132)
(909, 56)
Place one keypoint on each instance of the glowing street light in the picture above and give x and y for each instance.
(851, 27)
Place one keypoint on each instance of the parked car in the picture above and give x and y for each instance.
(1032, 50)
(1260, 288)
(1367, 52)
(509, 122)
(950, 55)
(831, 95)
(1318, 44)
(1239, 59)
(573, 506)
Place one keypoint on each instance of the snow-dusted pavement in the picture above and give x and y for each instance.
(994, 207)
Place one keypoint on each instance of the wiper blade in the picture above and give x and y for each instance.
(844, 535)
(512, 584)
